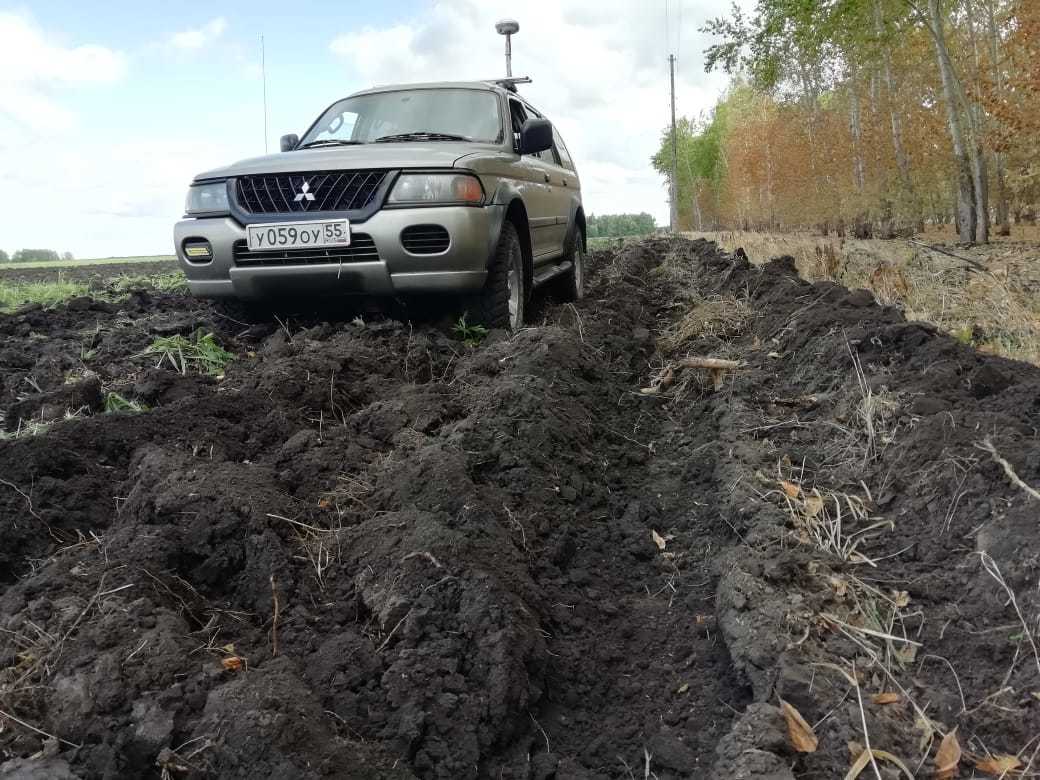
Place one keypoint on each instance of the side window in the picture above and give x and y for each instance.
(518, 115)
(527, 111)
(561, 151)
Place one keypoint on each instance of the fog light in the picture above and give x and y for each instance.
(198, 250)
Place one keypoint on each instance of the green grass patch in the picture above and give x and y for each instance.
(44, 293)
(199, 353)
(92, 261)
(471, 335)
(175, 282)
(114, 402)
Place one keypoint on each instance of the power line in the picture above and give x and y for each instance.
(674, 183)
(678, 33)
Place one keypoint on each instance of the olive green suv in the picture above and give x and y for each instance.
(458, 187)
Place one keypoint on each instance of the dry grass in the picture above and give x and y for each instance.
(716, 318)
(997, 312)
(830, 520)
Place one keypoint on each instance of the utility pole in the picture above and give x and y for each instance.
(673, 184)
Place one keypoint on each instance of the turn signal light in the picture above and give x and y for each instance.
(467, 189)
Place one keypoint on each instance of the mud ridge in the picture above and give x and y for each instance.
(459, 544)
(369, 551)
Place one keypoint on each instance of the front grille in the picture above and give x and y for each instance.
(362, 249)
(290, 193)
(425, 239)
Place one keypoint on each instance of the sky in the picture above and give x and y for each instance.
(107, 110)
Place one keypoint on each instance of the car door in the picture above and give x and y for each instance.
(536, 186)
(566, 187)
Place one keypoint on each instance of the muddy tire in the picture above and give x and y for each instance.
(571, 286)
(501, 303)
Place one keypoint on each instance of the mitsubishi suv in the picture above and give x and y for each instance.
(457, 187)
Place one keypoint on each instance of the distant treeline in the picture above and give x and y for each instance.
(34, 255)
(611, 225)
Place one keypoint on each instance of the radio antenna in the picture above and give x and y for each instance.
(263, 76)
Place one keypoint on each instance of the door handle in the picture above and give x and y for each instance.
(546, 178)
(564, 182)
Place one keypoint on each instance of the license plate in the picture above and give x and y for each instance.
(298, 235)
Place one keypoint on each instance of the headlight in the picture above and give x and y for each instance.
(424, 188)
(207, 198)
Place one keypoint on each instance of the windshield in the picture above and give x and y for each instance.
(429, 114)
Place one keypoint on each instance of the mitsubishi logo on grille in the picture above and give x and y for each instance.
(304, 194)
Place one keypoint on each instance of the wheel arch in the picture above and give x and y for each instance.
(579, 220)
(516, 213)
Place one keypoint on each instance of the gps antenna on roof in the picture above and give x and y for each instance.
(508, 28)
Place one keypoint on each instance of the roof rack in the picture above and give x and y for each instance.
(511, 82)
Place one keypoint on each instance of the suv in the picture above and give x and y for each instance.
(457, 187)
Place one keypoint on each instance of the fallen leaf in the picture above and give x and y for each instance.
(792, 490)
(683, 688)
(841, 587)
(813, 505)
(232, 663)
(863, 762)
(948, 757)
(803, 738)
(998, 765)
(229, 648)
(658, 539)
(924, 725)
(906, 654)
(324, 503)
(901, 598)
(889, 697)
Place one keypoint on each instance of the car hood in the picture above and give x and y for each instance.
(429, 154)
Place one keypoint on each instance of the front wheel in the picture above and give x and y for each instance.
(500, 304)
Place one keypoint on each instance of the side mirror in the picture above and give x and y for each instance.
(536, 136)
(290, 142)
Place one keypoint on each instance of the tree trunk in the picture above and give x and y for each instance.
(976, 130)
(902, 158)
(966, 202)
(859, 174)
(1003, 214)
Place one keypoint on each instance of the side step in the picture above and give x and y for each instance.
(550, 273)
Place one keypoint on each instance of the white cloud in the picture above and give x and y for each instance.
(203, 36)
(600, 73)
(33, 68)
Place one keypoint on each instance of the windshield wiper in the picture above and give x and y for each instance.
(328, 142)
(421, 136)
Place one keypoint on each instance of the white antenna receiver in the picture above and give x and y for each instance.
(508, 28)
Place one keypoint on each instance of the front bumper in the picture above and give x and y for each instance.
(463, 267)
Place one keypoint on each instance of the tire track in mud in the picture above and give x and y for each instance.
(459, 543)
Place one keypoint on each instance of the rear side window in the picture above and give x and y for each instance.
(561, 151)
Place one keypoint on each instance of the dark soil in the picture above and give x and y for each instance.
(369, 551)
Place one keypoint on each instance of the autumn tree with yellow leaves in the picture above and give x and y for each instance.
(868, 117)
